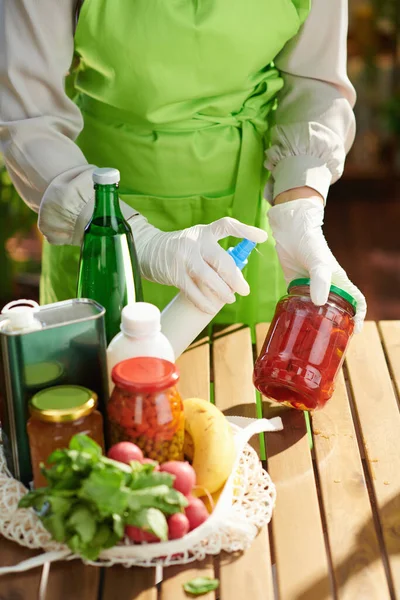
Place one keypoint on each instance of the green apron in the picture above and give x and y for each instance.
(179, 96)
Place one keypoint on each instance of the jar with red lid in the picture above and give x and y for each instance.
(145, 408)
(305, 347)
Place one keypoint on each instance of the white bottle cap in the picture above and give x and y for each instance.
(21, 313)
(106, 176)
(140, 319)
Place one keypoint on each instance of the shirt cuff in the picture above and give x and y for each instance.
(82, 220)
(298, 171)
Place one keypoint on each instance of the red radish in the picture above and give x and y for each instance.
(125, 452)
(150, 461)
(138, 535)
(196, 512)
(185, 476)
(178, 526)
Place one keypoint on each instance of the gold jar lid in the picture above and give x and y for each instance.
(62, 403)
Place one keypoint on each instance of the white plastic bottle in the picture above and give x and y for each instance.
(140, 336)
(182, 321)
(19, 317)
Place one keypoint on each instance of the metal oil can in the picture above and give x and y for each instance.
(69, 348)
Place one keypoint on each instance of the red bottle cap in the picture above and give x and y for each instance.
(145, 375)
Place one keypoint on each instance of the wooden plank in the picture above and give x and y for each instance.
(175, 577)
(71, 579)
(357, 562)
(134, 583)
(18, 586)
(379, 417)
(298, 538)
(248, 575)
(235, 395)
(194, 367)
(233, 380)
(390, 331)
(233, 376)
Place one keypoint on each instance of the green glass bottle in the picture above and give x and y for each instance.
(109, 270)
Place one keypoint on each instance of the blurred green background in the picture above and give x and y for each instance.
(20, 244)
(362, 217)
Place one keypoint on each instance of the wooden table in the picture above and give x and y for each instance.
(336, 527)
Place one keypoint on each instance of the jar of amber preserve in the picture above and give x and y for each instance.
(305, 347)
(146, 409)
(56, 415)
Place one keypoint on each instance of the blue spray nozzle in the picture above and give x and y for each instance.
(241, 252)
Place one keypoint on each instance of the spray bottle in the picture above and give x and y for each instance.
(182, 321)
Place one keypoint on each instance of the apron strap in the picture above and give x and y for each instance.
(250, 176)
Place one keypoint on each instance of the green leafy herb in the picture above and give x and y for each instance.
(55, 524)
(83, 443)
(167, 500)
(200, 586)
(151, 520)
(145, 479)
(106, 488)
(83, 522)
(90, 499)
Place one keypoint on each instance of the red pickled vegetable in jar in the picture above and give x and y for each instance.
(146, 409)
(305, 347)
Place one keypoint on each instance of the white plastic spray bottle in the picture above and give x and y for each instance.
(182, 321)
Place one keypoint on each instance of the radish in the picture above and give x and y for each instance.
(125, 452)
(185, 476)
(196, 512)
(138, 535)
(178, 526)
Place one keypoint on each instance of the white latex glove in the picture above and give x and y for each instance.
(193, 261)
(304, 252)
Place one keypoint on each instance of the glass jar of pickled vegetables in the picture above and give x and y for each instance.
(145, 408)
(305, 347)
(56, 415)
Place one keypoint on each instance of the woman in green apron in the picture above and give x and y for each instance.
(191, 100)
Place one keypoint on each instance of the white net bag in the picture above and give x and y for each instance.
(245, 505)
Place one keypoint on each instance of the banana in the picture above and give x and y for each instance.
(209, 443)
(215, 497)
(211, 504)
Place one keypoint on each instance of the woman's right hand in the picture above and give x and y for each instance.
(193, 261)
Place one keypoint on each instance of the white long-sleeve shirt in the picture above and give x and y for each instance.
(39, 124)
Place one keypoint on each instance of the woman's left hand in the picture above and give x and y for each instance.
(304, 252)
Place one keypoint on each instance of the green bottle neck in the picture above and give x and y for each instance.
(106, 202)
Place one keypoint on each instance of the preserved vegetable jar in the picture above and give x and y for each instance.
(305, 347)
(145, 407)
(56, 415)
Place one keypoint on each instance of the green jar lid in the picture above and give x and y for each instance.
(43, 373)
(62, 403)
(336, 290)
